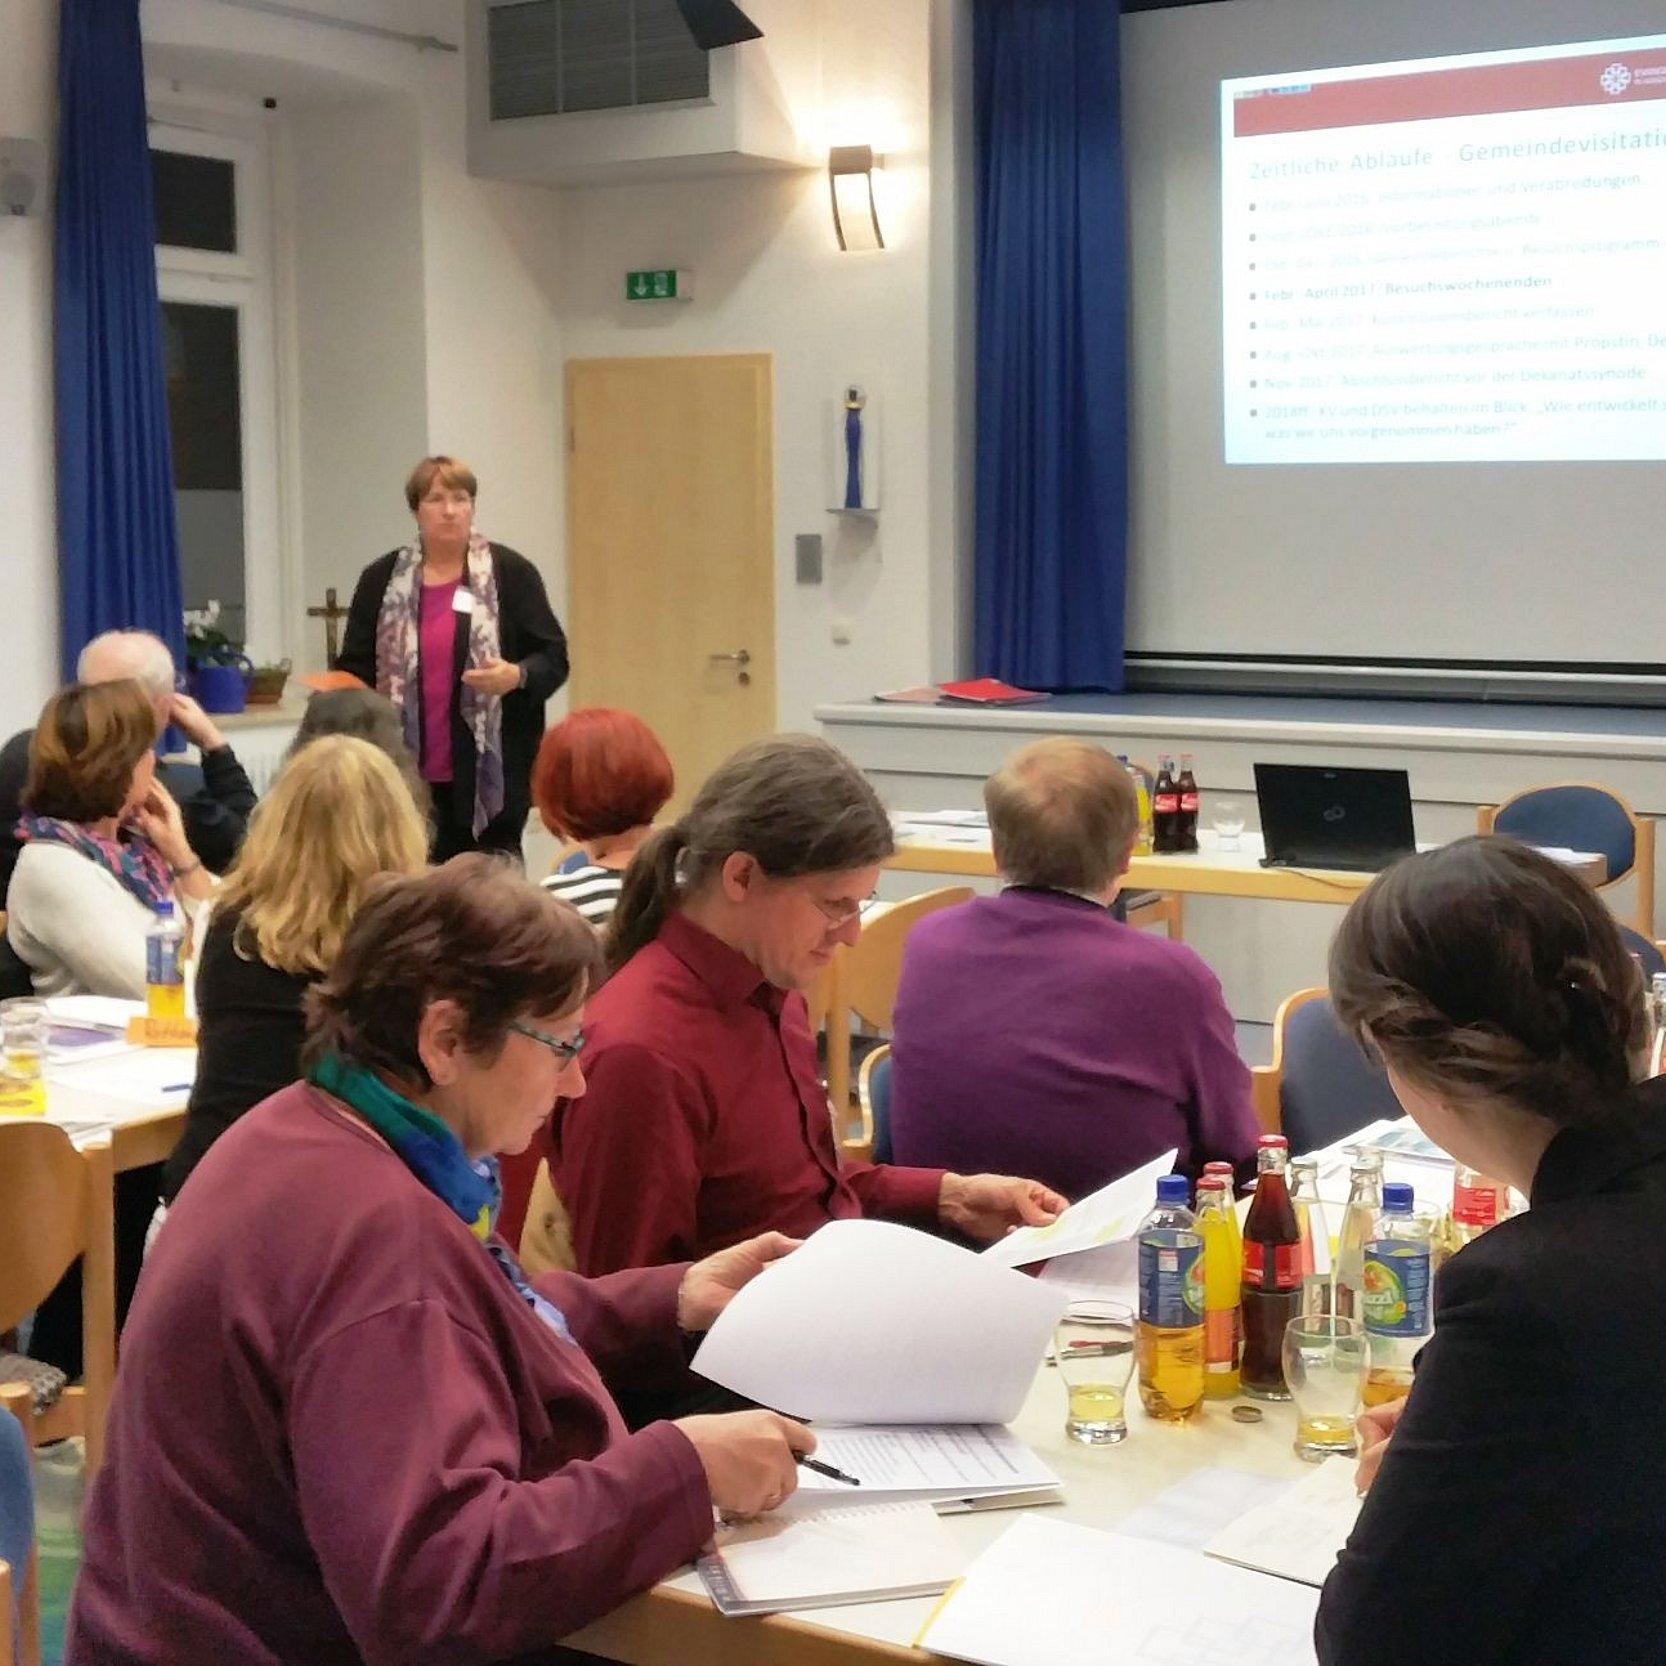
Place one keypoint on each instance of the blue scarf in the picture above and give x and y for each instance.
(428, 1148)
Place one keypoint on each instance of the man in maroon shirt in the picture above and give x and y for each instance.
(705, 1121)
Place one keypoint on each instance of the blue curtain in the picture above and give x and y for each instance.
(117, 539)
(1052, 377)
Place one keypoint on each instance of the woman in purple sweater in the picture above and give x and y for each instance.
(346, 1427)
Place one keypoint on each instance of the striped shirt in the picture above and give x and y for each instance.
(592, 890)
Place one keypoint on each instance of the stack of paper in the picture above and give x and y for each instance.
(963, 1461)
(863, 1553)
(875, 1323)
(1048, 1593)
(1298, 1534)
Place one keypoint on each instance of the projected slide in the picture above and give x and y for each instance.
(1460, 259)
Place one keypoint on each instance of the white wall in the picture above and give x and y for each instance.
(28, 69)
(769, 277)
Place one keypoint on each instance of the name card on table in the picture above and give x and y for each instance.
(162, 1032)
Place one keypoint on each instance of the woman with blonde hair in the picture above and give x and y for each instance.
(338, 815)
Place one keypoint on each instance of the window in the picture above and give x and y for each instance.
(214, 275)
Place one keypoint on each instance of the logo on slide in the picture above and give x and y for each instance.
(1615, 79)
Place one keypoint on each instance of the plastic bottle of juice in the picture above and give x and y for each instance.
(1142, 796)
(1397, 1295)
(1478, 1201)
(1171, 1305)
(1271, 1291)
(1217, 1225)
(164, 965)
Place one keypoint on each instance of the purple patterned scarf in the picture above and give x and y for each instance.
(398, 674)
(134, 861)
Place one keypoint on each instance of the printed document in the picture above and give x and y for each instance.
(1107, 1216)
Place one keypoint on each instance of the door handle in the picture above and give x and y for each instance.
(739, 657)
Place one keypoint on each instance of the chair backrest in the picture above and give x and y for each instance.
(873, 965)
(875, 1093)
(1647, 951)
(19, 1593)
(1327, 1086)
(1577, 815)
(44, 1213)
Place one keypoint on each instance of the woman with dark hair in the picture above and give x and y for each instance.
(706, 1120)
(1498, 993)
(363, 714)
(103, 844)
(347, 1427)
(457, 632)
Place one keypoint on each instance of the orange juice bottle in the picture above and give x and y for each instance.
(1217, 1225)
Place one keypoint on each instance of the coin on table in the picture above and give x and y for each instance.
(1246, 1414)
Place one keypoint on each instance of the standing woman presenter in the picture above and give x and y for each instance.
(457, 632)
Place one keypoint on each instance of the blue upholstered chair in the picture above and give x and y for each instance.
(873, 1093)
(1321, 1085)
(19, 1584)
(1647, 952)
(1583, 816)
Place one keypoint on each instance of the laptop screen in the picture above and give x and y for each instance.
(1316, 817)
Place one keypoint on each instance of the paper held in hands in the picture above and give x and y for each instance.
(960, 1462)
(875, 1323)
(1103, 1217)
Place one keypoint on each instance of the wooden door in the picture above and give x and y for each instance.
(670, 539)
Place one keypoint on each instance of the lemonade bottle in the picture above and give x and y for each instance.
(1217, 1225)
(164, 965)
(1171, 1305)
(1396, 1295)
(1359, 1225)
(1313, 1251)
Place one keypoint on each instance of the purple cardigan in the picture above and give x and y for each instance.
(1036, 1035)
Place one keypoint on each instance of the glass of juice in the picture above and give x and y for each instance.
(1093, 1348)
(1325, 1359)
(23, 1028)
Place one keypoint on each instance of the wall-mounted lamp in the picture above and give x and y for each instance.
(850, 178)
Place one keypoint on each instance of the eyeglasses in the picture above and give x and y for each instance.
(566, 1051)
(840, 914)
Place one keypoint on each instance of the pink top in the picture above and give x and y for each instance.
(438, 628)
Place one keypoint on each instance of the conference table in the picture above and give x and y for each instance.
(1212, 871)
(1103, 1487)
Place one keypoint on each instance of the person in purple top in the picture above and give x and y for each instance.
(1035, 1034)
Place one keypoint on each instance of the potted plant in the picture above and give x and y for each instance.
(218, 668)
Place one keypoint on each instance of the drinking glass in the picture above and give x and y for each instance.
(22, 1050)
(1093, 1348)
(1325, 1359)
(1227, 818)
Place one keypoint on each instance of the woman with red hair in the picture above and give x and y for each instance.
(600, 778)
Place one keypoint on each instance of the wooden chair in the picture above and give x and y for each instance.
(19, 1585)
(57, 1203)
(1584, 815)
(547, 1233)
(873, 1098)
(1155, 908)
(864, 981)
(1320, 1086)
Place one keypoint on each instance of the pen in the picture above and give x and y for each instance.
(177, 1087)
(825, 1469)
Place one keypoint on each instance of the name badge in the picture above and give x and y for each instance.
(462, 601)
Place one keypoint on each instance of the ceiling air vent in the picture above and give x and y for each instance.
(555, 57)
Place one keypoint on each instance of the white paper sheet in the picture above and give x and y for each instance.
(960, 1461)
(871, 1322)
(108, 1011)
(1049, 1593)
(1298, 1534)
(1103, 1217)
(150, 1077)
(943, 818)
(863, 1554)
(1191, 1512)
(1110, 1273)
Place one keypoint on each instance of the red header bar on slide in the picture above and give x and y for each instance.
(1479, 90)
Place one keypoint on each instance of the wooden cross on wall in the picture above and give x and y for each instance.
(331, 613)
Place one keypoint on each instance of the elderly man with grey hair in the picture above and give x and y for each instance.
(214, 797)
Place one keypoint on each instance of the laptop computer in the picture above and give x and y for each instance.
(1354, 819)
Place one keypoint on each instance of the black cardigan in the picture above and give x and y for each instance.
(1517, 1519)
(249, 1043)
(532, 638)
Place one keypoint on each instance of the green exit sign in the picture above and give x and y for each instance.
(665, 283)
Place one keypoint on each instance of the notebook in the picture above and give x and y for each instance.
(989, 691)
(860, 1553)
(1358, 820)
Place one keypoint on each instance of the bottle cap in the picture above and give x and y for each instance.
(1217, 1168)
(165, 910)
(1397, 1197)
(1268, 1141)
(1214, 1184)
(1174, 1188)
(1304, 1165)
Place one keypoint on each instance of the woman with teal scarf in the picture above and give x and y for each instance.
(347, 1426)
